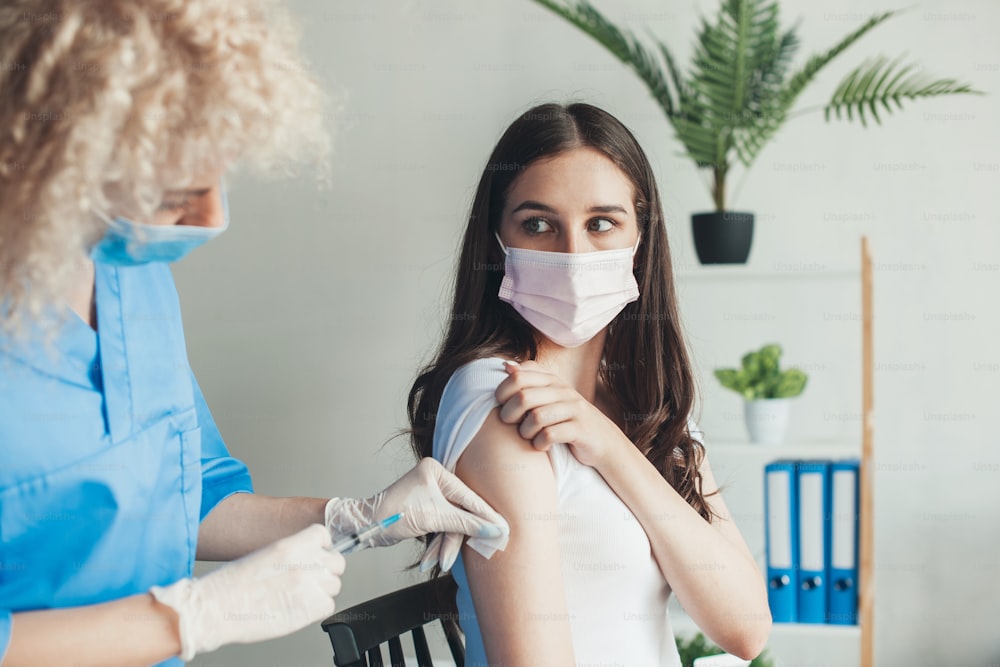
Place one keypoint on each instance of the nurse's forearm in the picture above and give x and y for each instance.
(245, 522)
(130, 632)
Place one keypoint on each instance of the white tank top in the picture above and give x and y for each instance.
(616, 596)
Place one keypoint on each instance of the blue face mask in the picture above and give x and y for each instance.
(128, 243)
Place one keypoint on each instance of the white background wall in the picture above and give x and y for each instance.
(307, 320)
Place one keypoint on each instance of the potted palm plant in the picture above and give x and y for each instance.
(739, 90)
(766, 390)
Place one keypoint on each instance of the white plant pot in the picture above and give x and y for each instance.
(721, 660)
(767, 419)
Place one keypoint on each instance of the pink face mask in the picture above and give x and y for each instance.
(568, 296)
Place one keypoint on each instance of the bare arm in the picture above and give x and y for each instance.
(245, 522)
(518, 593)
(130, 632)
(709, 566)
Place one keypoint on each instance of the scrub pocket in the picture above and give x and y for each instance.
(105, 526)
(190, 481)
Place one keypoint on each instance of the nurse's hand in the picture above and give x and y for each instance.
(270, 593)
(432, 500)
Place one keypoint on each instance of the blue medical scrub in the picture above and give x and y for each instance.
(109, 456)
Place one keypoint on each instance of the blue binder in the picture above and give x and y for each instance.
(813, 481)
(842, 599)
(781, 541)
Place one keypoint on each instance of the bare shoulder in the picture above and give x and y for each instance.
(518, 482)
(505, 468)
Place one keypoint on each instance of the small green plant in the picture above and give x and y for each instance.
(761, 377)
(699, 647)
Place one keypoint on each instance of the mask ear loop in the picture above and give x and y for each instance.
(101, 215)
(119, 224)
(502, 246)
(224, 200)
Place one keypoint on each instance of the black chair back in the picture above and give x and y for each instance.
(357, 633)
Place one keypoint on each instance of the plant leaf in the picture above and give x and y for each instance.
(880, 81)
(622, 44)
(766, 103)
(803, 77)
(680, 86)
(731, 378)
(771, 351)
(751, 364)
(791, 383)
(790, 91)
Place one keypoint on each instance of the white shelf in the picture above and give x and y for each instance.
(780, 271)
(779, 630)
(794, 644)
(799, 449)
(685, 627)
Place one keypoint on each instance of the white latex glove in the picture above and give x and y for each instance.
(432, 500)
(266, 594)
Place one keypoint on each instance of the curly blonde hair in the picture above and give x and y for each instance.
(107, 103)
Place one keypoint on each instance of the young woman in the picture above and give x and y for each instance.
(587, 445)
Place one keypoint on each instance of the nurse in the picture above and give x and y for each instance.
(118, 120)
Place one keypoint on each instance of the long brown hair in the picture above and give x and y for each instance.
(645, 368)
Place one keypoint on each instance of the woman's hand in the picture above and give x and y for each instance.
(548, 411)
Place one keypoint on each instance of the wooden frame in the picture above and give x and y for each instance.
(866, 546)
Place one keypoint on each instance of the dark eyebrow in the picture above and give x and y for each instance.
(611, 208)
(538, 206)
(171, 196)
(533, 205)
(201, 192)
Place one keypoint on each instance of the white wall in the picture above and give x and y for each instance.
(307, 320)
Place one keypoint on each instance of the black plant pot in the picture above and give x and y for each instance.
(722, 237)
